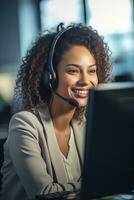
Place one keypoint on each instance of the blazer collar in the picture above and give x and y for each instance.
(53, 147)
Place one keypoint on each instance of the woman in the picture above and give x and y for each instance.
(44, 149)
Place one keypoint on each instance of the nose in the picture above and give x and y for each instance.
(86, 80)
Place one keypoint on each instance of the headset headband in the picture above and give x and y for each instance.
(52, 49)
(49, 77)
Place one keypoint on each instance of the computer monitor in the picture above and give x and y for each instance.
(109, 144)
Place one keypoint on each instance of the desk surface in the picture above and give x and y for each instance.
(74, 196)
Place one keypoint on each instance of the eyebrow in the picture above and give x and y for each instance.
(76, 65)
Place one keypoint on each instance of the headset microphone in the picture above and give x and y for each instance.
(72, 102)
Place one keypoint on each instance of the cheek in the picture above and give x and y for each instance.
(94, 80)
(68, 80)
(63, 84)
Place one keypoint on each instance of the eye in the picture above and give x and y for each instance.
(92, 71)
(73, 71)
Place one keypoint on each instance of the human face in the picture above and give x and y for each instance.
(77, 74)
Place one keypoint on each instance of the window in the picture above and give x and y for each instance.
(113, 19)
(56, 11)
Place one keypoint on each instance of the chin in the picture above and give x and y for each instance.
(82, 104)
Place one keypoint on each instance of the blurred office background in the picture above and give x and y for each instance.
(22, 20)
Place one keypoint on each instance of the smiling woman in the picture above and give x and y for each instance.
(77, 74)
(44, 149)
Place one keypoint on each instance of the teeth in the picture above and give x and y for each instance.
(84, 92)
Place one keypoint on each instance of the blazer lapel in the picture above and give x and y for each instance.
(79, 134)
(52, 144)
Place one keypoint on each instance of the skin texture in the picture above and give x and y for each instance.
(77, 73)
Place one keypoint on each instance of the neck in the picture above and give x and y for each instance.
(61, 113)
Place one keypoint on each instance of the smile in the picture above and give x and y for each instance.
(81, 93)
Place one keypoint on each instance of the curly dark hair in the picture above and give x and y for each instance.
(29, 90)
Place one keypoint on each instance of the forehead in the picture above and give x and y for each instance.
(77, 55)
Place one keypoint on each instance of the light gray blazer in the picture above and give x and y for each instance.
(32, 163)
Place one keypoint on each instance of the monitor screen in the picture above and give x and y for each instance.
(109, 145)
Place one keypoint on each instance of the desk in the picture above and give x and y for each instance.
(74, 196)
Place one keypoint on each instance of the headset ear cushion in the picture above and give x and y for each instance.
(47, 79)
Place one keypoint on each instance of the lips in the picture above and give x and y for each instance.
(80, 93)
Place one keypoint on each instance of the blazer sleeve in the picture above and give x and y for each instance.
(25, 153)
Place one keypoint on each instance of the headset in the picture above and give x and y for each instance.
(49, 75)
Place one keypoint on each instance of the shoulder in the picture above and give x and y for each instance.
(25, 120)
(24, 116)
(24, 124)
(29, 117)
